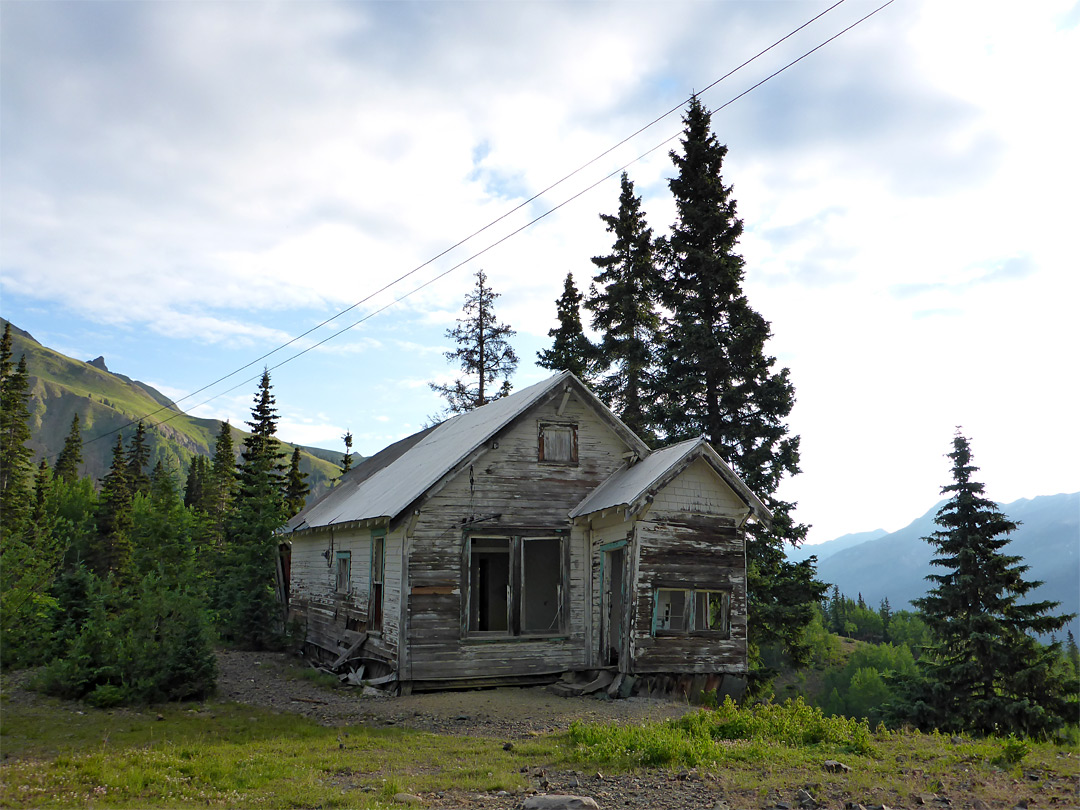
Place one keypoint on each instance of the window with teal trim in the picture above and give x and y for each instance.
(698, 611)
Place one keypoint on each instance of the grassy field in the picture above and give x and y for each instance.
(60, 754)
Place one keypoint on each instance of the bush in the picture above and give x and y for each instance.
(148, 646)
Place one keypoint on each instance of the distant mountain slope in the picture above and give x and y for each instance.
(830, 547)
(895, 566)
(106, 402)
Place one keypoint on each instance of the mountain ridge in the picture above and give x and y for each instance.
(895, 565)
(108, 403)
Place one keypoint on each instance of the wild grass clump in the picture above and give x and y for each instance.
(728, 733)
(791, 723)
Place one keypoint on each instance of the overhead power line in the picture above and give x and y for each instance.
(173, 414)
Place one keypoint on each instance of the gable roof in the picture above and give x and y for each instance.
(631, 487)
(385, 484)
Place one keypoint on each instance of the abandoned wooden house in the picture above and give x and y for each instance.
(533, 537)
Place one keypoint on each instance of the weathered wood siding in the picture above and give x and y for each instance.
(688, 538)
(506, 480)
(332, 620)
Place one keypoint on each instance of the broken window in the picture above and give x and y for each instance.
(541, 574)
(682, 611)
(378, 567)
(711, 611)
(489, 585)
(671, 609)
(344, 571)
(515, 585)
(558, 443)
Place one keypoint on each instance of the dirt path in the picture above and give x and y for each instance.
(269, 680)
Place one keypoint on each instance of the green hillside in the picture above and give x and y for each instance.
(106, 402)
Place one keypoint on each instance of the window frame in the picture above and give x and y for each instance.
(516, 607)
(547, 425)
(346, 558)
(690, 611)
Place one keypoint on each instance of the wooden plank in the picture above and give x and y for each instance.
(350, 652)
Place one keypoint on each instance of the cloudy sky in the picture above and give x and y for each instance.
(186, 186)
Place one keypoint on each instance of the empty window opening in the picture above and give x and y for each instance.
(516, 586)
(711, 609)
(558, 443)
(344, 571)
(682, 611)
(541, 569)
(489, 585)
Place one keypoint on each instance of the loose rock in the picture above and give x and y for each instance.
(554, 802)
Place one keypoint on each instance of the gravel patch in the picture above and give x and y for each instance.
(270, 680)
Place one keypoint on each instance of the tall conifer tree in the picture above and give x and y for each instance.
(296, 488)
(67, 463)
(246, 592)
(111, 549)
(223, 475)
(484, 353)
(716, 380)
(346, 458)
(623, 302)
(570, 350)
(16, 469)
(138, 456)
(985, 672)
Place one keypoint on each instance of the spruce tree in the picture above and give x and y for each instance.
(195, 485)
(623, 301)
(483, 353)
(570, 350)
(985, 672)
(716, 379)
(246, 588)
(67, 463)
(110, 552)
(223, 477)
(346, 458)
(42, 481)
(296, 488)
(16, 470)
(138, 456)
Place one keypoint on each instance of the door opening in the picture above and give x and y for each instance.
(612, 611)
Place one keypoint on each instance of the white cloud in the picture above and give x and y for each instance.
(234, 174)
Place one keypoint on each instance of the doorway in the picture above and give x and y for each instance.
(612, 623)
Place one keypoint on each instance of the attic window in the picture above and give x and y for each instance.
(558, 443)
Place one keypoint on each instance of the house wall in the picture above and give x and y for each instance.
(333, 620)
(689, 538)
(506, 480)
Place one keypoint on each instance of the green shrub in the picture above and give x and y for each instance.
(146, 646)
(1013, 750)
(704, 737)
(105, 696)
